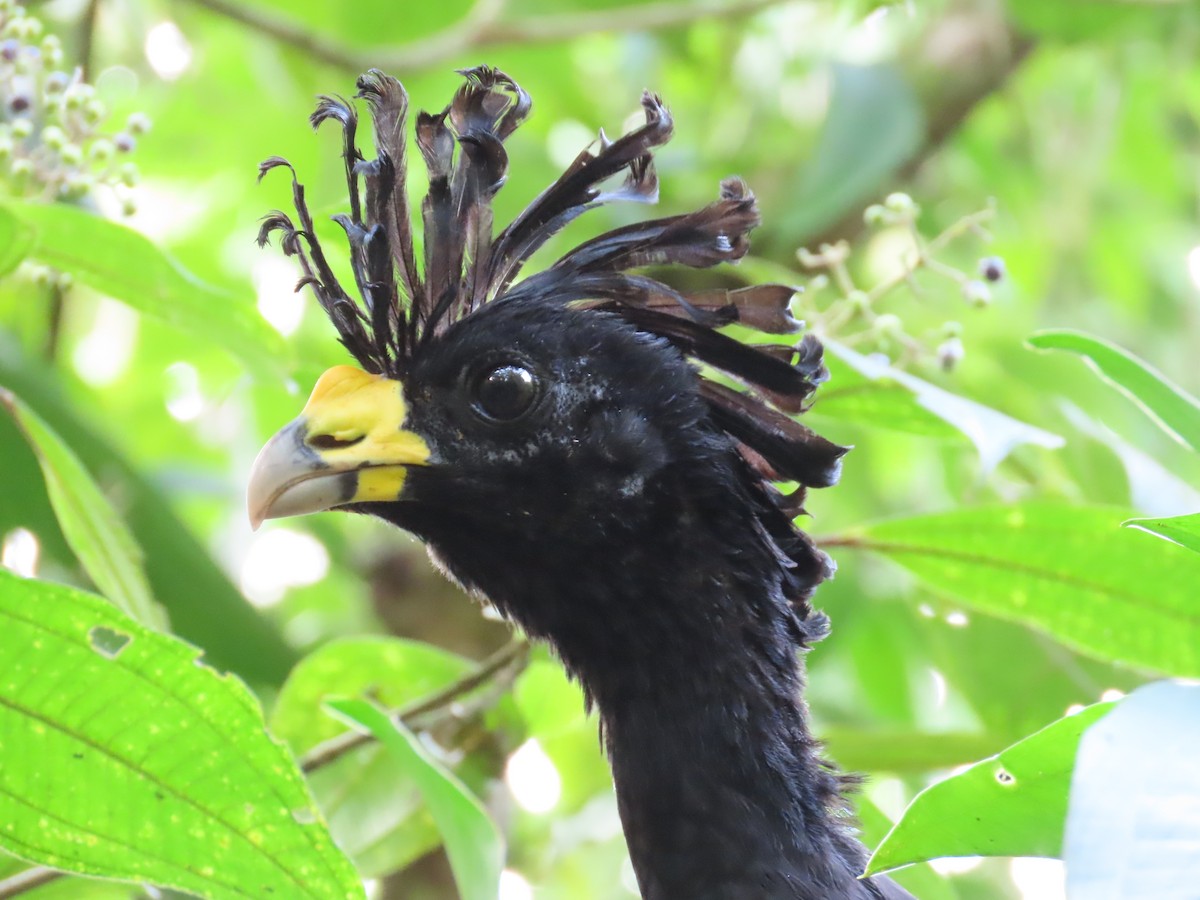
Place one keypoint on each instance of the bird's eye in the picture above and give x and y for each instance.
(504, 393)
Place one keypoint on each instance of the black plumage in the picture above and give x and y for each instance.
(567, 459)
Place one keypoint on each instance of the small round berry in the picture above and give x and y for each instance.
(20, 103)
(124, 142)
(977, 293)
(128, 206)
(952, 329)
(21, 169)
(71, 154)
(900, 203)
(6, 148)
(875, 215)
(950, 353)
(888, 325)
(128, 174)
(56, 82)
(10, 49)
(94, 112)
(22, 128)
(53, 137)
(859, 301)
(991, 268)
(101, 150)
(137, 123)
(77, 185)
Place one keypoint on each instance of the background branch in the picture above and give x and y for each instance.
(481, 27)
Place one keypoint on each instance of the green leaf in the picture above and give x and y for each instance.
(875, 124)
(1010, 804)
(1133, 824)
(877, 402)
(1182, 530)
(371, 800)
(1171, 407)
(204, 606)
(994, 434)
(125, 757)
(394, 671)
(1067, 570)
(473, 843)
(96, 533)
(16, 239)
(127, 266)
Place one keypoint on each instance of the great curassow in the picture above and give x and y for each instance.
(553, 442)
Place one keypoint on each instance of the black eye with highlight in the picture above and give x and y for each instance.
(505, 392)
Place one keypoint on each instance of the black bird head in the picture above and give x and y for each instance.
(534, 430)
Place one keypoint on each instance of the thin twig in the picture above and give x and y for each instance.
(28, 880)
(481, 27)
(515, 653)
(87, 37)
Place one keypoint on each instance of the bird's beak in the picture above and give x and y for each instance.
(349, 445)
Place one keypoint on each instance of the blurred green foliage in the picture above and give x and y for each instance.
(151, 363)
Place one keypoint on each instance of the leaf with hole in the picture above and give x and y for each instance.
(95, 531)
(1010, 804)
(126, 757)
(1070, 571)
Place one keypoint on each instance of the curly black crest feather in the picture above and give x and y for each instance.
(466, 265)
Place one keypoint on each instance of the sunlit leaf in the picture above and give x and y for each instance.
(1010, 804)
(1133, 823)
(1171, 407)
(127, 266)
(1182, 530)
(473, 842)
(16, 239)
(97, 534)
(994, 434)
(126, 757)
(370, 798)
(394, 671)
(874, 124)
(1071, 571)
(1153, 488)
(877, 402)
(204, 606)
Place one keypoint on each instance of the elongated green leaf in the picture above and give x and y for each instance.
(878, 402)
(1171, 407)
(994, 434)
(394, 671)
(97, 534)
(473, 842)
(369, 797)
(875, 123)
(1068, 570)
(1133, 825)
(16, 239)
(1182, 530)
(127, 266)
(204, 606)
(1011, 804)
(127, 758)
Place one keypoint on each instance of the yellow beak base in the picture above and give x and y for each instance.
(349, 445)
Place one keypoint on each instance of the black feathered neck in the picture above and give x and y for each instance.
(403, 307)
